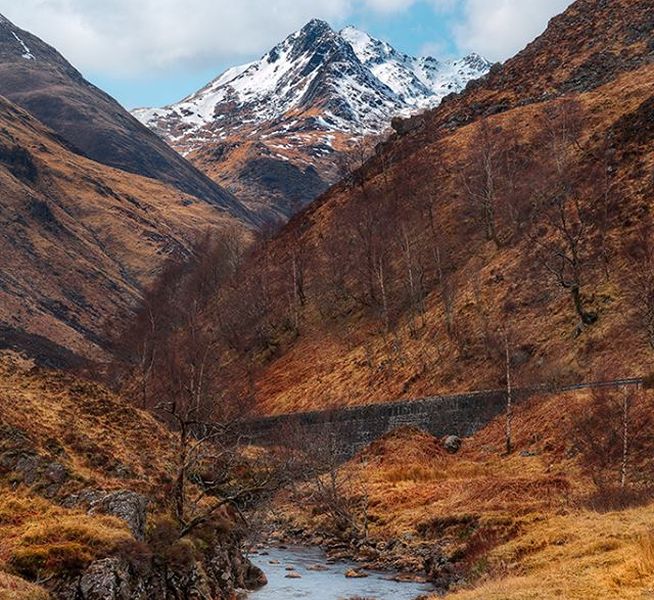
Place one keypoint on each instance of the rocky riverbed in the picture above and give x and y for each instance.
(300, 572)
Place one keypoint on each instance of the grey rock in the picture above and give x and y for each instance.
(452, 443)
(56, 473)
(403, 126)
(293, 575)
(255, 578)
(126, 505)
(106, 579)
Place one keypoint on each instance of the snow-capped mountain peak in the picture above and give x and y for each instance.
(275, 130)
(356, 82)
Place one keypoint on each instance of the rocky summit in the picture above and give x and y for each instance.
(276, 131)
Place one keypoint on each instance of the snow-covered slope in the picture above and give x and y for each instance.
(304, 102)
(358, 81)
(418, 82)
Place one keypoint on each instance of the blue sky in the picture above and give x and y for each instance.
(154, 52)
(415, 31)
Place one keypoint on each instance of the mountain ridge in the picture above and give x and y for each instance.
(301, 109)
(401, 283)
(35, 76)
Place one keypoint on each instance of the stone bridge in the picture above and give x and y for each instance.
(351, 429)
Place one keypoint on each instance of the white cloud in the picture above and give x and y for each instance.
(498, 29)
(389, 6)
(123, 37)
(131, 36)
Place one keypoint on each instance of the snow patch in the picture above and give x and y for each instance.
(27, 54)
(356, 82)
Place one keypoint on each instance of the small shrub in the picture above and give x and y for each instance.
(34, 562)
(166, 545)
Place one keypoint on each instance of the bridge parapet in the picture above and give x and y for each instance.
(355, 427)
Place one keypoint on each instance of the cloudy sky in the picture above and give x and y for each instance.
(152, 52)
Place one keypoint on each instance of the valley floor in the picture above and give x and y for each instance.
(534, 525)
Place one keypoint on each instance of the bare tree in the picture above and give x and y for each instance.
(639, 279)
(625, 439)
(509, 395)
(561, 222)
(481, 176)
(186, 388)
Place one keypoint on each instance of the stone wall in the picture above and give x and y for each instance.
(351, 429)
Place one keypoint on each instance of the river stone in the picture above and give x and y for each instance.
(293, 575)
(255, 578)
(355, 574)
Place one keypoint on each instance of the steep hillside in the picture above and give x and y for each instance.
(85, 511)
(591, 44)
(79, 240)
(36, 77)
(520, 208)
(276, 131)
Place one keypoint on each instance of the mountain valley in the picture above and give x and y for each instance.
(395, 314)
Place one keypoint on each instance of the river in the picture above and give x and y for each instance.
(321, 580)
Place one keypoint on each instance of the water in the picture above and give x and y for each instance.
(330, 584)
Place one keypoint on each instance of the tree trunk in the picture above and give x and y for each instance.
(509, 397)
(179, 490)
(587, 318)
(625, 440)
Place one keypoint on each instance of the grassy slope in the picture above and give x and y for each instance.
(430, 362)
(78, 239)
(518, 527)
(600, 53)
(102, 443)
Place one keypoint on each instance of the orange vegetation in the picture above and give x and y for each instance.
(101, 442)
(524, 526)
(336, 349)
(79, 240)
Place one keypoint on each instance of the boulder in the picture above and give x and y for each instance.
(128, 506)
(255, 578)
(452, 443)
(106, 579)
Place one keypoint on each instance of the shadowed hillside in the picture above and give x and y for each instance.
(36, 77)
(79, 240)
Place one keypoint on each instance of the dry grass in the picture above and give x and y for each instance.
(101, 441)
(106, 234)
(352, 362)
(581, 556)
(97, 434)
(14, 588)
(40, 539)
(516, 525)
